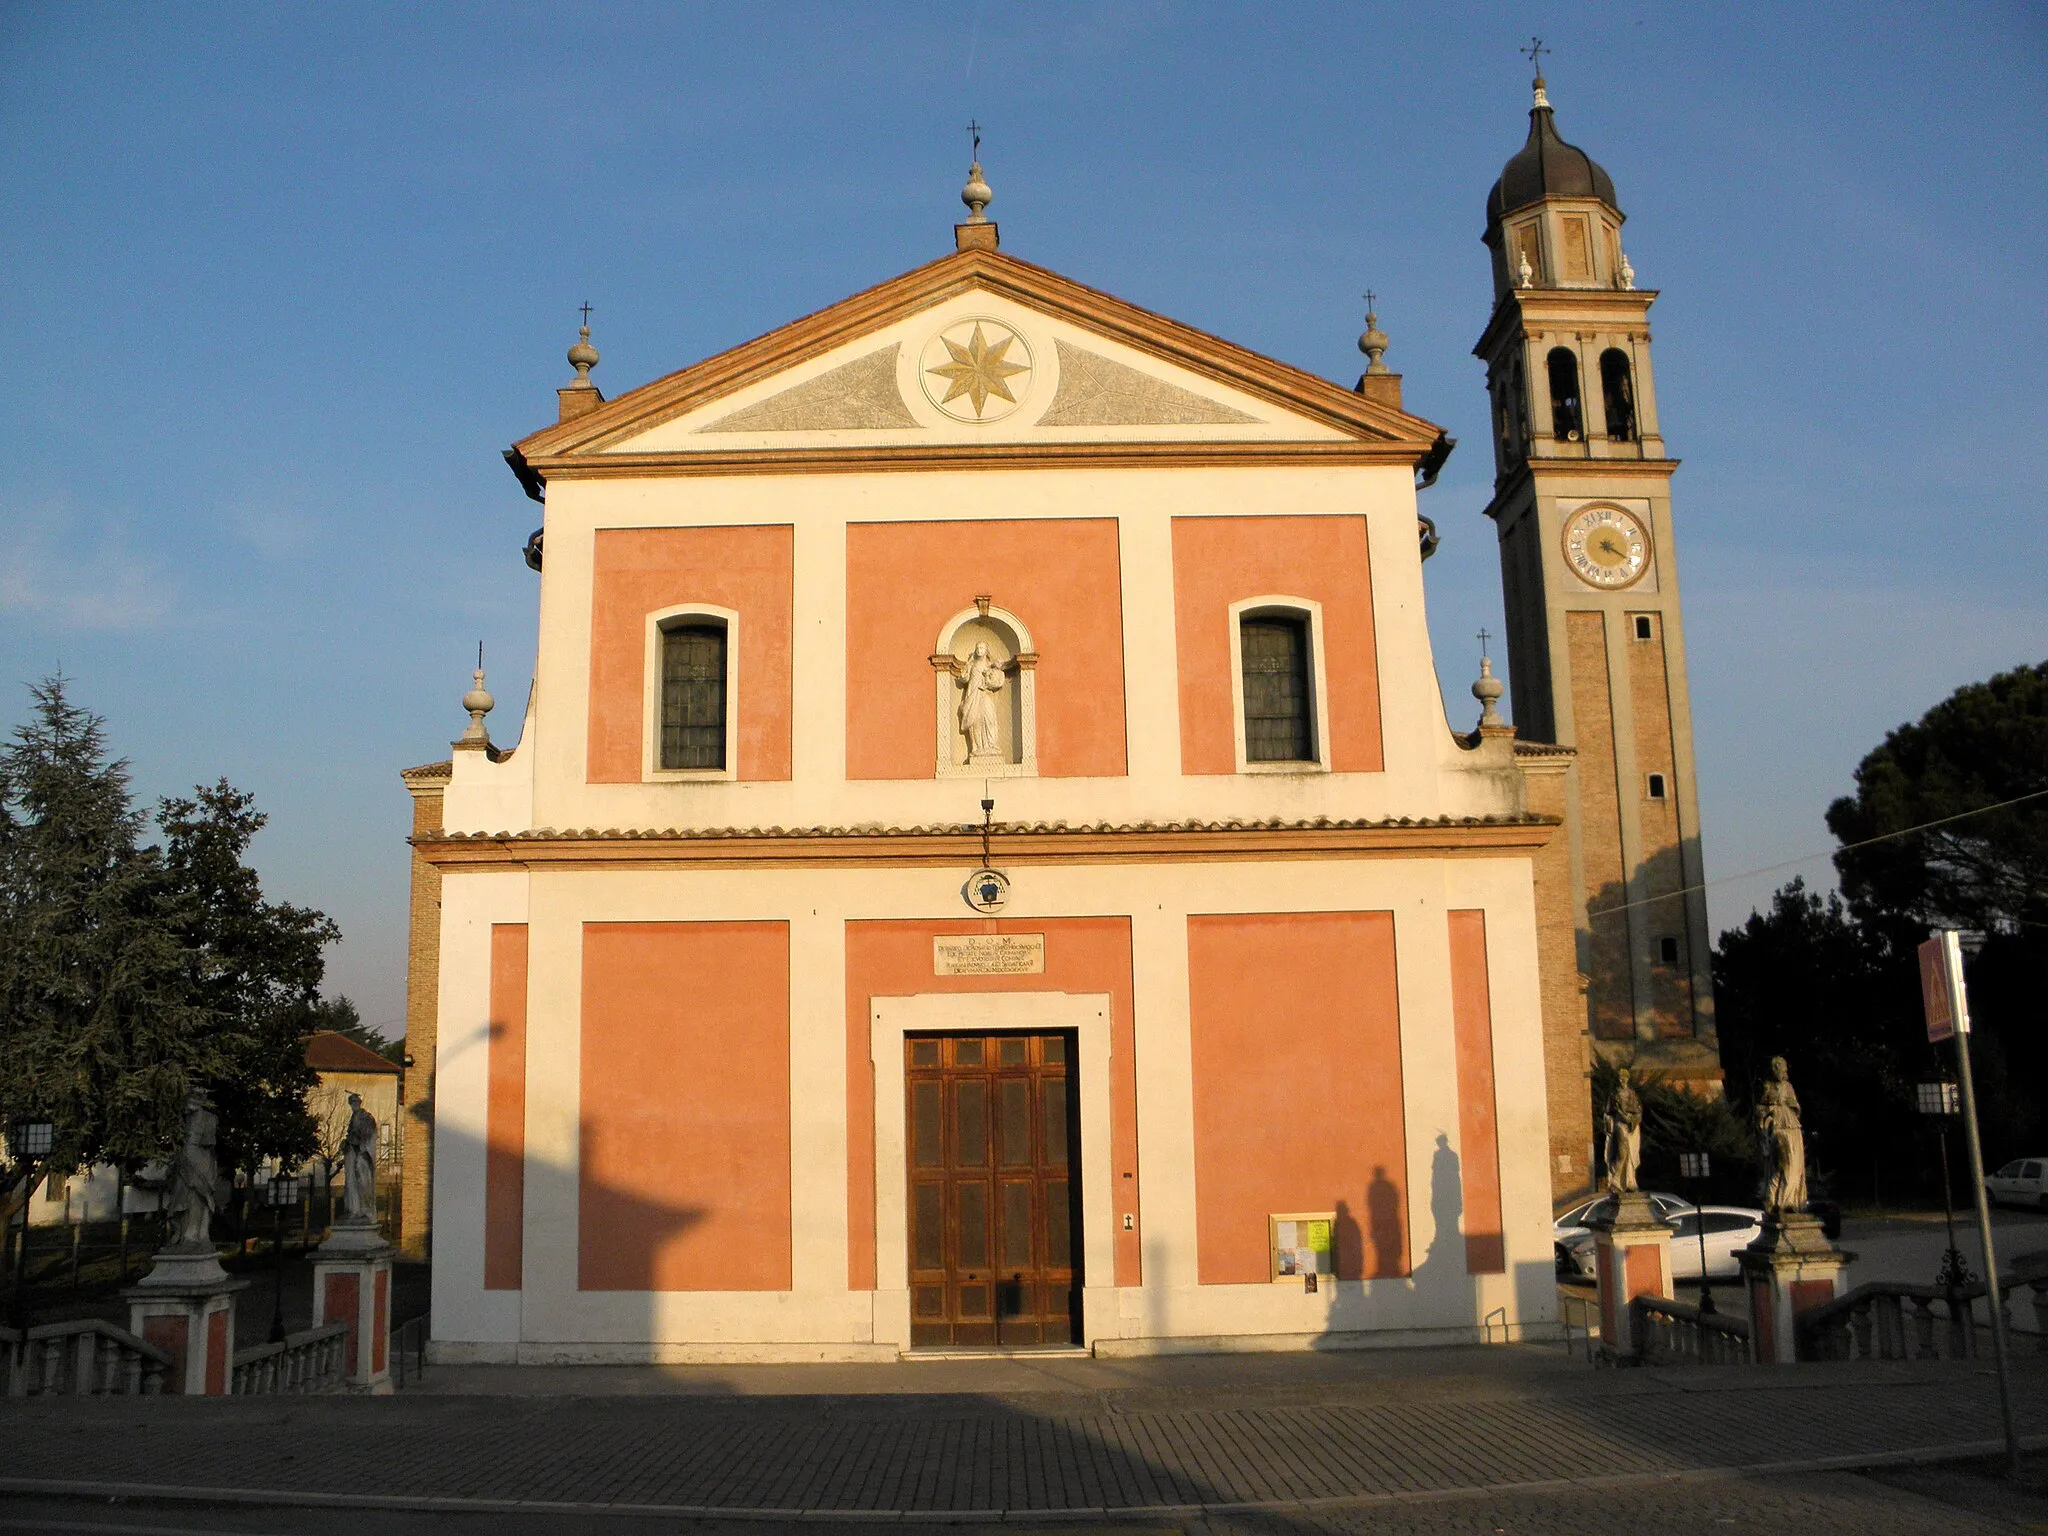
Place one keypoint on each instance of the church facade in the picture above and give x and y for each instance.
(985, 863)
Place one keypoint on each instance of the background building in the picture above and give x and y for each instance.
(346, 1067)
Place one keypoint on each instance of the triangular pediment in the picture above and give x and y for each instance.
(860, 396)
(976, 351)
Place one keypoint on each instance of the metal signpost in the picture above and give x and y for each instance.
(281, 1194)
(1948, 1018)
(1939, 1101)
(28, 1143)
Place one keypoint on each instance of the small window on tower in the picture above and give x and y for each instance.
(1656, 786)
(1619, 395)
(1578, 249)
(1667, 950)
(1567, 422)
(1643, 630)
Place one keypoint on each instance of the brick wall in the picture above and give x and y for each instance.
(1611, 998)
(1650, 697)
(1567, 1050)
(422, 1002)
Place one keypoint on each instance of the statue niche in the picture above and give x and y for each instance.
(985, 695)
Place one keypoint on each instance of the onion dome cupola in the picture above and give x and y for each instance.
(1551, 218)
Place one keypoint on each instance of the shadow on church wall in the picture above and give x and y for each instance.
(1633, 993)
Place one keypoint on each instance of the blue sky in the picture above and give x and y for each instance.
(285, 279)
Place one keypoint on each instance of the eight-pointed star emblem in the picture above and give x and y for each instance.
(978, 369)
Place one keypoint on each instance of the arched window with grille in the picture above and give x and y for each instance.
(1618, 393)
(694, 684)
(1279, 684)
(1567, 419)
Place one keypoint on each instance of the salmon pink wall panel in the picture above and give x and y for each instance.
(894, 959)
(1061, 576)
(684, 1177)
(1478, 1119)
(641, 571)
(1218, 561)
(1297, 1063)
(505, 1111)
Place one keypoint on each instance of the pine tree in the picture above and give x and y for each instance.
(98, 1032)
(255, 969)
(340, 1015)
(131, 974)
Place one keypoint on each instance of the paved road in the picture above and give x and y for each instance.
(1911, 1501)
(1475, 1440)
(1909, 1248)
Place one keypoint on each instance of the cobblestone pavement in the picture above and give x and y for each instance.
(1346, 1448)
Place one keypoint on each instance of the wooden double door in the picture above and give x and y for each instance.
(994, 1158)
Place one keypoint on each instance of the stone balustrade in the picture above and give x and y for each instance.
(312, 1360)
(83, 1358)
(1669, 1332)
(1886, 1320)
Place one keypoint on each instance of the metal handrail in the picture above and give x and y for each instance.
(409, 1339)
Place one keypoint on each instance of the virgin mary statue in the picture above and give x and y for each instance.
(981, 680)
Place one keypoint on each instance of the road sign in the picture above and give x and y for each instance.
(1941, 986)
(1948, 1018)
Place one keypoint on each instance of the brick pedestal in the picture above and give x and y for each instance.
(1632, 1257)
(1788, 1270)
(352, 1284)
(185, 1306)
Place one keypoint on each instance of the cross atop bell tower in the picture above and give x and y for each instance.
(1596, 655)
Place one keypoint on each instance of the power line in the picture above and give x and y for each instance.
(1808, 858)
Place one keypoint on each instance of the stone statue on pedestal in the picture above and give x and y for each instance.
(193, 1192)
(1624, 1136)
(1784, 1142)
(359, 1164)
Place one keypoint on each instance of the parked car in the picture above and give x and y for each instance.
(2023, 1181)
(1576, 1223)
(1728, 1229)
(1580, 1217)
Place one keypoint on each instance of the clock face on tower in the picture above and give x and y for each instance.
(1606, 547)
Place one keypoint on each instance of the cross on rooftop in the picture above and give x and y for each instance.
(1483, 638)
(586, 312)
(1535, 51)
(974, 129)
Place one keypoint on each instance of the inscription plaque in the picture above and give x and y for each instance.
(988, 954)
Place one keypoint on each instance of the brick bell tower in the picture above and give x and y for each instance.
(1596, 649)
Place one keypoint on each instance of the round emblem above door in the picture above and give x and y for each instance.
(987, 891)
(977, 369)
